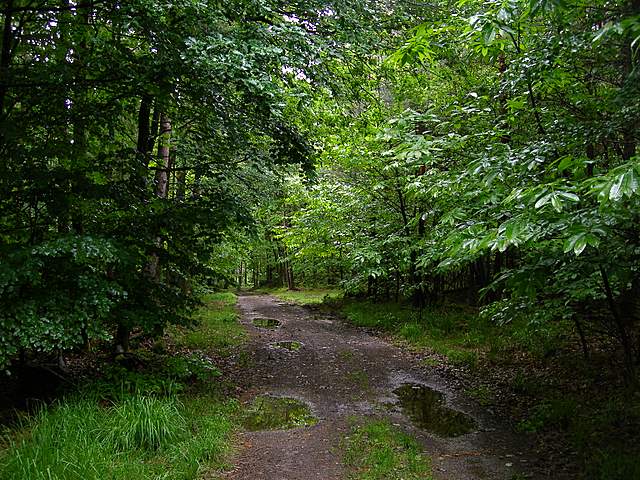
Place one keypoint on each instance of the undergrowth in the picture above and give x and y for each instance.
(599, 421)
(453, 330)
(217, 327)
(164, 417)
(602, 429)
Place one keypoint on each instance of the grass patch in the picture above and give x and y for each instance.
(481, 394)
(360, 379)
(453, 331)
(163, 417)
(217, 327)
(378, 450)
(305, 296)
(346, 355)
(457, 331)
(138, 438)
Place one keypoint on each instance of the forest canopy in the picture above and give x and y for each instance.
(483, 150)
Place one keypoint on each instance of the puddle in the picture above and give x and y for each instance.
(427, 410)
(270, 323)
(291, 345)
(277, 413)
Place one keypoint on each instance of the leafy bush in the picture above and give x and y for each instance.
(57, 295)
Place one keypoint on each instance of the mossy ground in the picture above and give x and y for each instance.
(377, 450)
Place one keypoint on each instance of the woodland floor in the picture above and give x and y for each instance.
(344, 372)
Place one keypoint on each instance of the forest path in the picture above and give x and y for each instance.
(342, 371)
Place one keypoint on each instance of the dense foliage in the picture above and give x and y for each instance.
(482, 149)
(129, 133)
(490, 154)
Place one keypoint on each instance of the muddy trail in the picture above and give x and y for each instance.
(343, 372)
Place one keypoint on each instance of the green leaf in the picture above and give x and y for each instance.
(543, 200)
(579, 242)
(569, 196)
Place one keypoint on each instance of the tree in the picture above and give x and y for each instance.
(98, 233)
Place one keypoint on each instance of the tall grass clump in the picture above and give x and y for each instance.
(138, 438)
(143, 422)
(167, 420)
(60, 443)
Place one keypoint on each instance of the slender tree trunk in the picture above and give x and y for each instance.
(5, 55)
(164, 158)
(121, 340)
(623, 333)
(153, 132)
(161, 185)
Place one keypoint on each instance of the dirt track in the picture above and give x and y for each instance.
(341, 372)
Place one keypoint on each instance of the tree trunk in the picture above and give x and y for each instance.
(5, 56)
(164, 158)
(153, 133)
(161, 186)
(623, 332)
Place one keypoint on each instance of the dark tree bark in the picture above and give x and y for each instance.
(5, 55)
(622, 330)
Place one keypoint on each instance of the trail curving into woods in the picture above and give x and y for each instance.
(341, 372)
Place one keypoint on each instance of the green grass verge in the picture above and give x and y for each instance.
(140, 437)
(305, 296)
(217, 326)
(166, 418)
(454, 331)
(376, 450)
(600, 426)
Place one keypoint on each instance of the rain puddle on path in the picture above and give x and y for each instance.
(277, 413)
(427, 410)
(269, 323)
